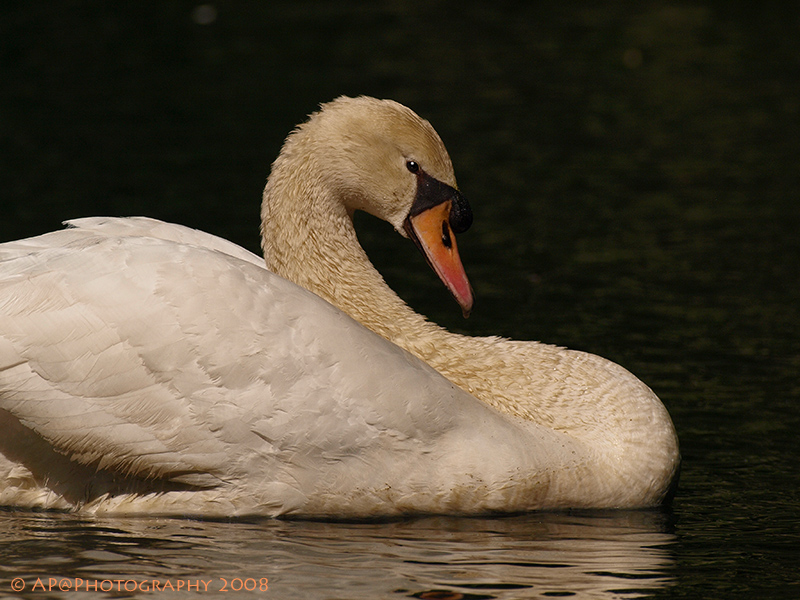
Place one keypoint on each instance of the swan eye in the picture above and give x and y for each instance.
(412, 166)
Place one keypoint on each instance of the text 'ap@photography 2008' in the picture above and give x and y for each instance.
(77, 584)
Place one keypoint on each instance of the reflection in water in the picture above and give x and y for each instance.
(605, 555)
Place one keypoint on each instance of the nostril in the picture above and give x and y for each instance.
(446, 240)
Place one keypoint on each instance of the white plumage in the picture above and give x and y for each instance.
(150, 368)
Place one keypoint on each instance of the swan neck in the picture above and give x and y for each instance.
(308, 237)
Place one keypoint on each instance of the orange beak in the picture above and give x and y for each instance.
(431, 232)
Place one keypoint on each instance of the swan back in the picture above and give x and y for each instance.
(233, 391)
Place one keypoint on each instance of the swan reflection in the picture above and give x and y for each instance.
(591, 555)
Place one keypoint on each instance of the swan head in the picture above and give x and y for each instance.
(380, 157)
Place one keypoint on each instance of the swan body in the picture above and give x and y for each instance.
(146, 367)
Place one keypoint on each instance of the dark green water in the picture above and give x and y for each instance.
(634, 171)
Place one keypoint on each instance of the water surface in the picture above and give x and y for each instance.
(613, 555)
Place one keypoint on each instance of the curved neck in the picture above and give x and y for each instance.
(309, 238)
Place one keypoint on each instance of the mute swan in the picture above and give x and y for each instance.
(150, 368)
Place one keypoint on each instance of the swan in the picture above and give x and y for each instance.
(149, 368)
